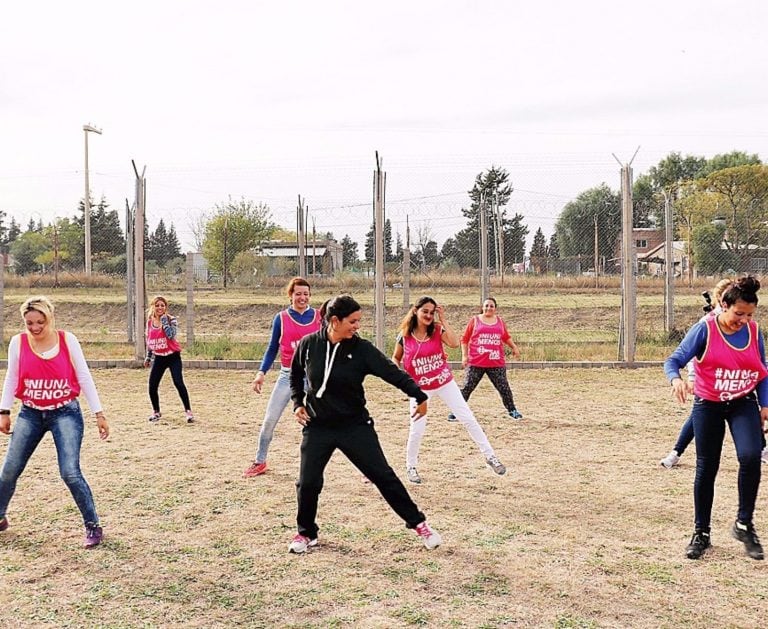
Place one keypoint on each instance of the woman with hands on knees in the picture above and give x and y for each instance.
(332, 411)
(419, 348)
(730, 388)
(46, 372)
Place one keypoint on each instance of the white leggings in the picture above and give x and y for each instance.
(451, 395)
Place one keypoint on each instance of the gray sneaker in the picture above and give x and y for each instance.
(413, 475)
(670, 461)
(496, 465)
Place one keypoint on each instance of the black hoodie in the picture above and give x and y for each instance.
(343, 400)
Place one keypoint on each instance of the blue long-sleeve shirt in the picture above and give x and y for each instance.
(694, 344)
(273, 348)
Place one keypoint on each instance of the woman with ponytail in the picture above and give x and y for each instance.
(730, 388)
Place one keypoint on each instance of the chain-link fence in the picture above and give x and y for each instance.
(554, 264)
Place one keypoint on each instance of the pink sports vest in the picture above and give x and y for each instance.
(486, 343)
(426, 362)
(46, 383)
(724, 371)
(291, 332)
(158, 342)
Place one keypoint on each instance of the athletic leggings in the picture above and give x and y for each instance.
(498, 378)
(159, 365)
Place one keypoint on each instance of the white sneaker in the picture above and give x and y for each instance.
(430, 538)
(764, 455)
(670, 460)
(300, 543)
(413, 475)
(496, 465)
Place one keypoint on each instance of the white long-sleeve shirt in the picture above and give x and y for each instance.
(84, 377)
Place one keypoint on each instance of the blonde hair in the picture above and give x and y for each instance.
(722, 286)
(40, 304)
(151, 309)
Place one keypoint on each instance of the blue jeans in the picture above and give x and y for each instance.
(66, 426)
(278, 400)
(685, 437)
(709, 420)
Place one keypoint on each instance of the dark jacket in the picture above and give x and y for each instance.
(343, 401)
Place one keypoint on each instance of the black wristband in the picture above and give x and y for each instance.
(5, 412)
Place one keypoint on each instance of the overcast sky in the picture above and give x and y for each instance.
(270, 100)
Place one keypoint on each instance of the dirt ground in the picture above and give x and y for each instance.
(585, 530)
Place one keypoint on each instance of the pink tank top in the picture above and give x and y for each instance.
(425, 361)
(158, 342)
(46, 383)
(486, 343)
(291, 332)
(726, 372)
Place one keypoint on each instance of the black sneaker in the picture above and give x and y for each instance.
(745, 533)
(699, 544)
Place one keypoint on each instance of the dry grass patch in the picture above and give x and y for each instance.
(585, 530)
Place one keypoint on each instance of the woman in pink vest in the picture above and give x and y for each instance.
(730, 388)
(47, 371)
(288, 328)
(419, 349)
(482, 354)
(164, 352)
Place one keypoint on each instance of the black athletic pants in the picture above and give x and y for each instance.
(360, 444)
(159, 365)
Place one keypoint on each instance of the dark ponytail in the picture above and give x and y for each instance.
(744, 289)
(340, 307)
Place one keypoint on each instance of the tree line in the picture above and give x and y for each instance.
(720, 208)
(61, 243)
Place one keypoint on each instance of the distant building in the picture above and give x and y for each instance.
(200, 267)
(645, 239)
(324, 257)
(653, 261)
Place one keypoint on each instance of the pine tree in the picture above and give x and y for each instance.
(349, 248)
(539, 251)
(553, 250)
(491, 189)
(369, 243)
(14, 230)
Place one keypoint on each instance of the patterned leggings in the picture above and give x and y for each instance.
(498, 378)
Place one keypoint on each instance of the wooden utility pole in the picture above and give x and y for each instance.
(314, 248)
(55, 255)
(597, 257)
(190, 297)
(129, 273)
(669, 267)
(484, 277)
(407, 265)
(628, 271)
(300, 239)
(379, 186)
(140, 297)
(500, 235)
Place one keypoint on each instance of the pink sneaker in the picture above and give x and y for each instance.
(3, 524)
(430, 538)
(300, 543)
(255, 469)
(190, 416)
